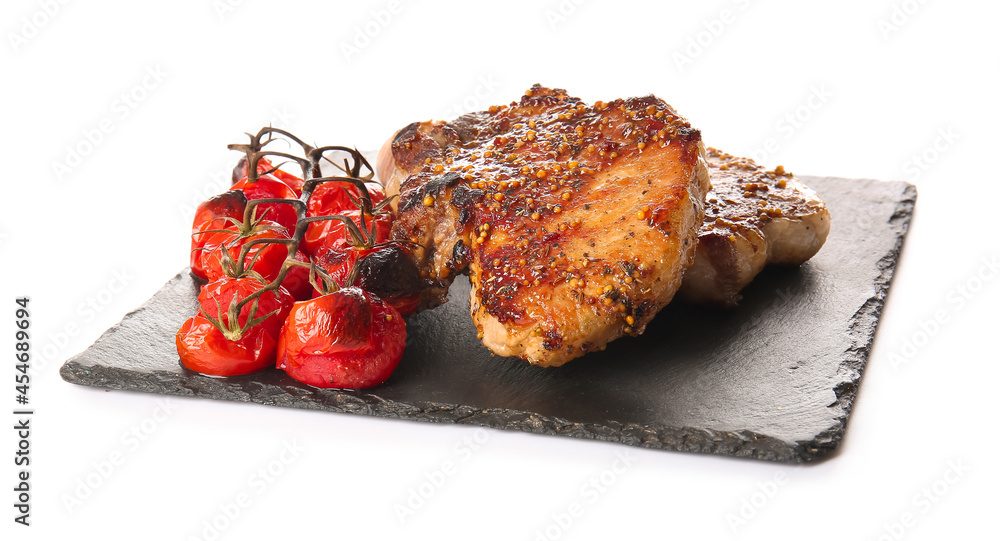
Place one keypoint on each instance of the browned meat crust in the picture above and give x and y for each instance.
(575, 222)
(753, 218)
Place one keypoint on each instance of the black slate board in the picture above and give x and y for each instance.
(772, 379)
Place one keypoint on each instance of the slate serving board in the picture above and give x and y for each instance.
(772, 379)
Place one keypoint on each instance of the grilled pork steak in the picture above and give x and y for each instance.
(753, 218)
(575, 222)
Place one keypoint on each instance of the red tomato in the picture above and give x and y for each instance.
(204, 349)
(227, 290)
(387, 270)
(266, 259)
(325, 235)
(338, 260)
(212, 214)
(269, 187)
(297, 279)
(263, 166)
(331, 198)
(350, 339)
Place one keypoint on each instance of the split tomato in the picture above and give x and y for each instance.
(349, 339)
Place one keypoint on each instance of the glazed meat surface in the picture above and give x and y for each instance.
(753, 218)
(574, 222)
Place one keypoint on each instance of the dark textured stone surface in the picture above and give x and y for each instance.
(772, 379)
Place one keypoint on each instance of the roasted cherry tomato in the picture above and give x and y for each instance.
(263, 166)
(204, 348)
(297, 279)
(328, 235)
(337, 261)
(206, 260)
(223, 292)
(349, 339)
(265, 259)
(390, 273)
(387, 270)
(216, 213)
(269, 187)
(331, 198)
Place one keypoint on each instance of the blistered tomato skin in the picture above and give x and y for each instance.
(223, 292)
(387, 270)
(337, 261)
(204, 349)
(325, 235)
(297, 279)
(263, 166)
(265, 259)
(213, 214)
(331, 198)
(269, 187)
(346, 340)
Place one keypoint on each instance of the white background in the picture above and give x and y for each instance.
(94, 239)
